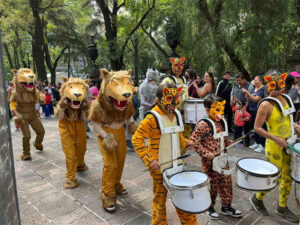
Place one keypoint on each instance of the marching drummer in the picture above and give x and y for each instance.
(274, 110)
(160, 147)
(208, 147)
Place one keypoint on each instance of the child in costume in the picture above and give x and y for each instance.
(208, 147)
(160, 149)
(72, 109)
(240, 116)
(277, 112)
(47, 104)
(22, 104)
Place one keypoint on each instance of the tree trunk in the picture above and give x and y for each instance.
(136, 59)
(38, 42)
(8, 56)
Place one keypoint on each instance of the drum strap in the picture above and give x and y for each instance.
(220, 135)
(285, 112)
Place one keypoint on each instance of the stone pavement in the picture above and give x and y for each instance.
(43, 199)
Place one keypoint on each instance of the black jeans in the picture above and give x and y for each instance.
(238, 131)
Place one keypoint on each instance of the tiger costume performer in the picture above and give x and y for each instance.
(166, 99)
(23, 102)
(72, 110)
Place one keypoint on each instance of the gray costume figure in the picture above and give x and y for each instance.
(148, 92)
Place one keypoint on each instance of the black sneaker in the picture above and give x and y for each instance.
(286, 213)
(213, 214)
(229, 211)
(258, 206)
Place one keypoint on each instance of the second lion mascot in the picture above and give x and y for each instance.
(72, 110)
(110, 112)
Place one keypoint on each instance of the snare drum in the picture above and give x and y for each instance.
(189, 191)
(194, 110)
(256, 174)
(295, 164)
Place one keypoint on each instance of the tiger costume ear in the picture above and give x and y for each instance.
(179, 90)
(182, 59)
(223, 102)
(268, 78)
(284, 76)
(172, 60)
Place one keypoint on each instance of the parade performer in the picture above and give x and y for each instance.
(160, 149)
(147, 92)
(277, 112)
(22, 103)
(213, 140)
(177, 78)
(72, 109)
(113, 109)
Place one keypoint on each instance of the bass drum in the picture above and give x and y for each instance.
(295, 164)
(256, 174)
(189, 191)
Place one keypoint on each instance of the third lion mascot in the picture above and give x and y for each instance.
(110, 112)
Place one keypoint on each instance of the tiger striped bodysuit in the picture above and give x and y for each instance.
(149, 129)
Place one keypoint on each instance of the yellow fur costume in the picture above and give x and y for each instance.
(112, 109)
(71, 111)
(22, 103)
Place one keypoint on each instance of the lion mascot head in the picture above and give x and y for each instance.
(114, 102)
(74, 98)
(25, 89)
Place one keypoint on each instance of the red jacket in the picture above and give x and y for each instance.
(240, 117)
(48, 99)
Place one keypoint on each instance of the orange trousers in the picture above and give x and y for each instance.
(73, 140)
(159, 216)
(113, 161)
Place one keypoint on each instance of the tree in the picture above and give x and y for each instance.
(111, 21)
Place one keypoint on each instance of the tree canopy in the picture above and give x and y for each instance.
(215, 35)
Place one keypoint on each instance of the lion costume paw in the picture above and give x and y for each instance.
(19, 120)
(109, 142)
(132, 126)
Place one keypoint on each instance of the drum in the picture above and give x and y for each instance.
(194, 110)
(189, 191)
(295, 164)
(256, 174)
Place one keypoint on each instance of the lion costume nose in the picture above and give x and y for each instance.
(126, 95)
(31, 76)
(77, 94)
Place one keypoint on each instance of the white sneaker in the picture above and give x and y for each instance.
(254, 146)
(260, 148)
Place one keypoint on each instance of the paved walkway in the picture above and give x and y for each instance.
(43, 199)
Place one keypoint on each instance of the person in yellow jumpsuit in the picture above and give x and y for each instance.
(72, 128)
(279, 130)
(149, 129)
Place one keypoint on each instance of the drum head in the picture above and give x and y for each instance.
(194, 100)
(257, 167)
(188, 179)
(297, 146)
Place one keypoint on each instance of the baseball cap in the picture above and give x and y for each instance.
(295, 74)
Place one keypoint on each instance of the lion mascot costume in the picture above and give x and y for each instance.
(72, 110)
(23, 102)
(113, 109)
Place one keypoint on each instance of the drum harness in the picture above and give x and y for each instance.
(287, 112)
(220, 161)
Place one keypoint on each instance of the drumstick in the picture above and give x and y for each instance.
(294, 149)
(236, 141)
(180, 157)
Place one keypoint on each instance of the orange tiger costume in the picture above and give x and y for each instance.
(149, 129)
